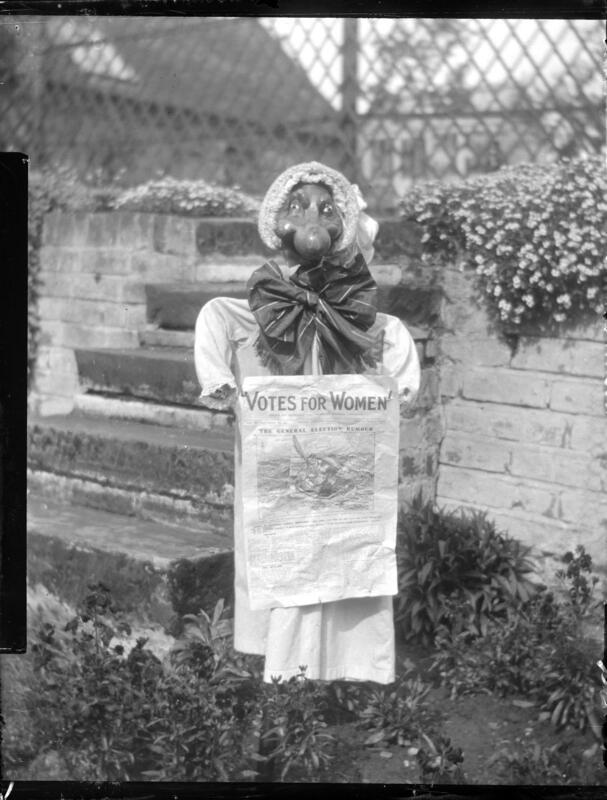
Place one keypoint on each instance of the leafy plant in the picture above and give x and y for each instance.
(400, 712)
(294, 735)
(542, 653)
(535, 236)
(189, 198)
(203, 713)
(537, 764)
(456, 570)
(440, 762)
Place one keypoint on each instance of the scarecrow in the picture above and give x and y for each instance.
(311, 312)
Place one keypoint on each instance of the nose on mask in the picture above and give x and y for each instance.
(312, 241)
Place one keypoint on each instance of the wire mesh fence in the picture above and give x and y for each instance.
(234, 100)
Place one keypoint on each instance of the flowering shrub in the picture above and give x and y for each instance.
(535, 236)
(189, 198)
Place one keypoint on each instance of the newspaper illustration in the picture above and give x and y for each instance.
(319, 496)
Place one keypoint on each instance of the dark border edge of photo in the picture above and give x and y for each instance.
(561, 9)
(13, 400)
(13, 394)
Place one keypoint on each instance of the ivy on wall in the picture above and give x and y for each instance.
(535, 236)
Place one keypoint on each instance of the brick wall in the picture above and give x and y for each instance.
(522, 436)
(525, 434)
(94, 268)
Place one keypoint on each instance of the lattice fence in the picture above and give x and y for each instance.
(234, 100)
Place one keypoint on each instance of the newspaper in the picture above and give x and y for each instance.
(319, 487)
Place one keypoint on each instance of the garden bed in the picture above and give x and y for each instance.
(496, 683)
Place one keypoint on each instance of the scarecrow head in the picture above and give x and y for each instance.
(311, 212)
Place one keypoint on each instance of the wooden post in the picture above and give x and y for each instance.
(349, 93)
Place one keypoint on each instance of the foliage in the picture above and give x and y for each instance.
(412, 51)
(196, 716)
(538, 764)
(399, 713)
(535, 237)
(440, 761)
(294, 734)
(542, 653)
(456, 570)
(188, 198)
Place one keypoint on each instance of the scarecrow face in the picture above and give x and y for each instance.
(308, 224)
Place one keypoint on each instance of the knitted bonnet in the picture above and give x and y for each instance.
(347, 198)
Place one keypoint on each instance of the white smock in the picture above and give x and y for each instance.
(349, 639)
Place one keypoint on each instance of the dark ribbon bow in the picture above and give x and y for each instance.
(337, 304)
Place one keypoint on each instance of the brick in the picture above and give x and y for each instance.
(593, 332)
(544, 536)
(50, 405)
(61, 359)
(226, 268)
(412, 434)
(578, 396)
(135, 230)
(162, 268)
(51, 308)
(481, 351)
(174, 235)
(566, 468)
(431, 349)
(106, 262)
(87, 286)
(584, 508)
(589, 434)
(66, 228)
(230, 237)
(427, 396)
(508, 387)
(433, 423)
(573, 357)
(494, 491)
(56, 383)
(103, 229)
(475, 452)
(68, 334)
(95, 312)
(60, 259)
(539, 426)
(451, 380)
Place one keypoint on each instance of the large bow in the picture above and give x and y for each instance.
(334, 303)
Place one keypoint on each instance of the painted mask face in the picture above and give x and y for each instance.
(309, 224)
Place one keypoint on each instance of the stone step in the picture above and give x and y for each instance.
(174, 475)
(153, 571)
(175, 306)
(165, 375)
(162, 374)
(139, 410)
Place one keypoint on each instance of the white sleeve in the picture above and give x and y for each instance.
(213, 353)
(400, 358)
